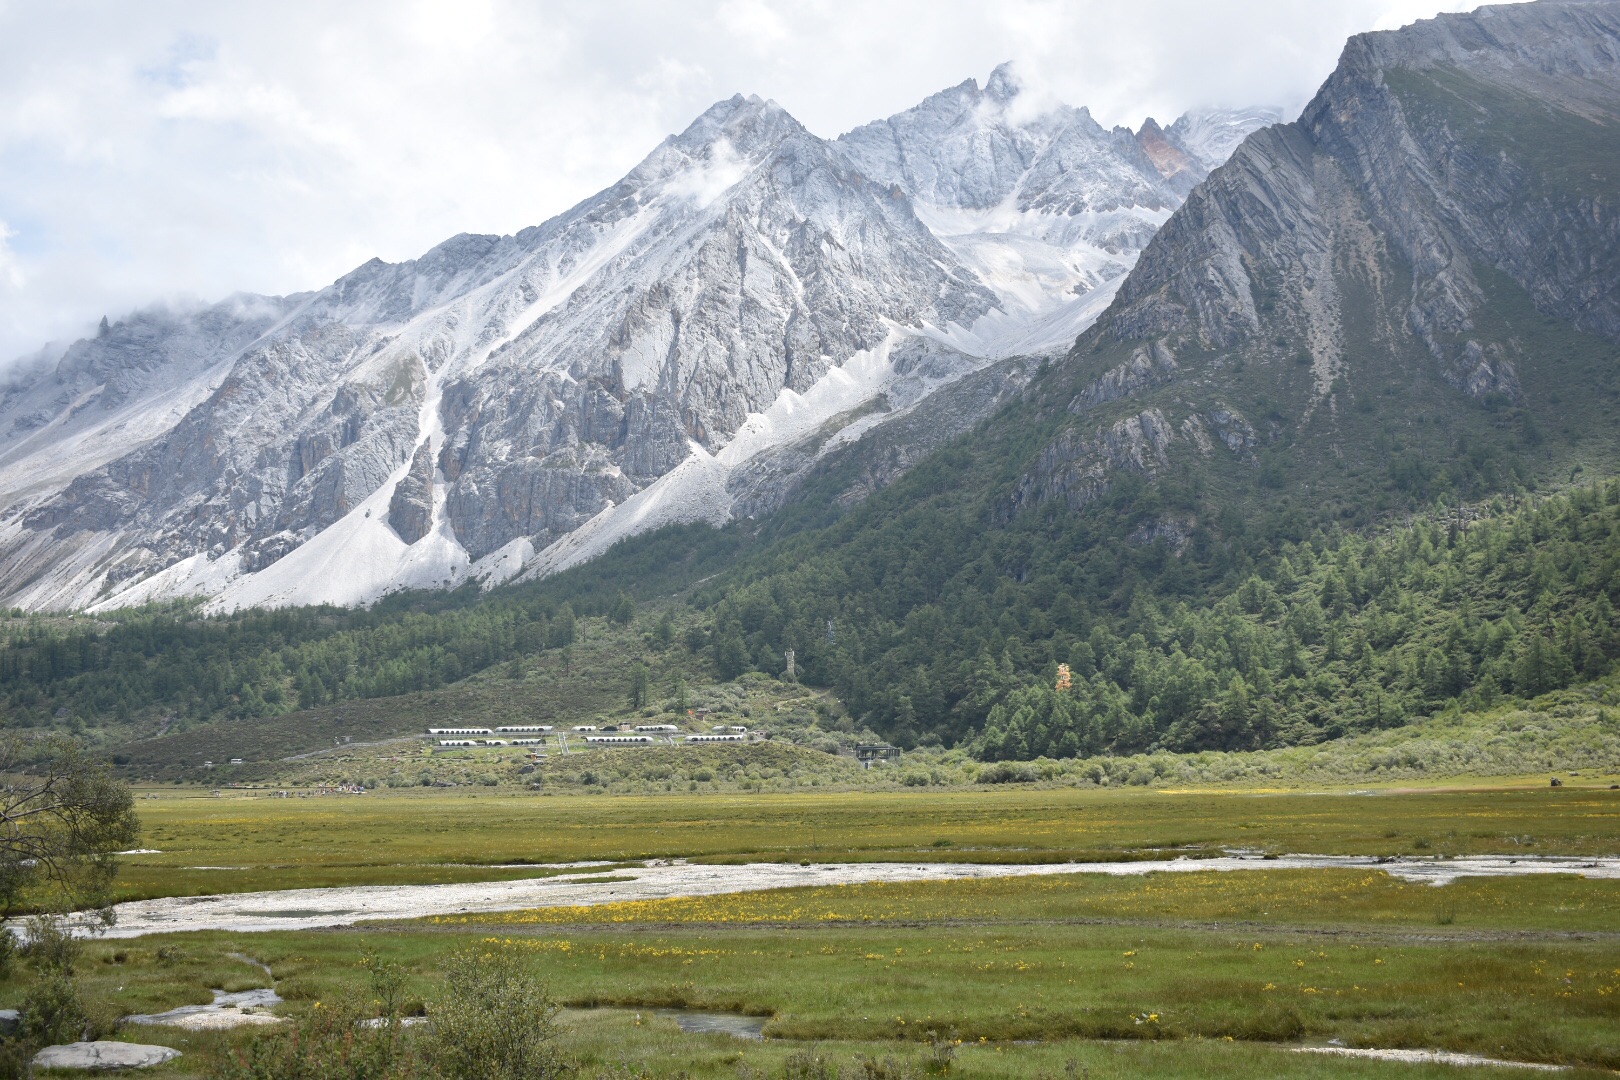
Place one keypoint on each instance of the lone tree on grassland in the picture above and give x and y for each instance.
(63, 817)
(639, 682)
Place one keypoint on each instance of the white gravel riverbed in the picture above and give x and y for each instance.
(302, 909)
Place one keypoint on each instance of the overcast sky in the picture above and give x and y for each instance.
(193, 148)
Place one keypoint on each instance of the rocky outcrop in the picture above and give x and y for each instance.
(1233, 430)
(1075, 469)
(410, 509)
(1149, 366)
(103, 1056)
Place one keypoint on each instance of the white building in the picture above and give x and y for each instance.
(717, 737)
(620, 740)
(459, 731)
(524, 729)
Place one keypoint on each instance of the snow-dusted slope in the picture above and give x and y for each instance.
(605, 372)
(105, 396)
(1212, 136)
(1045, 204)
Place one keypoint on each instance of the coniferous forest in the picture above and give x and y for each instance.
(956, 641)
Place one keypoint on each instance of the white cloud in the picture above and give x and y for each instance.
(11, 272)
(185, 147)
(753, 23)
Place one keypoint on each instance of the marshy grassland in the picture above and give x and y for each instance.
(1186, 974)
(208, 845)
(1165, 975)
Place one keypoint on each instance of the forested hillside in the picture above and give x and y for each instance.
(1332, 633)
(167, 664)
(1217, 647)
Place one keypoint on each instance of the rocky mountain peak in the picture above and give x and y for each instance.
(1424, 260)
(1003, 84)
(616, 366)
(751, 125)
(1169, 159)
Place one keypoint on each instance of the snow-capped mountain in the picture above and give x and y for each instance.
(1044, 203)
(522, 401)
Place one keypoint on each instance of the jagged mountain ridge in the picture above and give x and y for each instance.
(1426, 259)
(413, 423)
(1044, 204)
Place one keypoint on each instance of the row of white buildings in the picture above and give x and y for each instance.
(460, 738)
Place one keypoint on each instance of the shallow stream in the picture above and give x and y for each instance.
(302, 909)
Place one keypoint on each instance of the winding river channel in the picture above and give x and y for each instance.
(302, 909)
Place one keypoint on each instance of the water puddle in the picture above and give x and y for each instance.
(242, 1008)
(694, 1022)
(305, 913)
(699, 1021)
(1426, 1057)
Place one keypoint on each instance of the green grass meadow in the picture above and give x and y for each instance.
(255, 843)
(1183, 974)
(1164, 975)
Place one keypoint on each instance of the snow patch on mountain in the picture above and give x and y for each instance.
(1213, 135)
(1038, 334)
(695, 490)
(1047, 273)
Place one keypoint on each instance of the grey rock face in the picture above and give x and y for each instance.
(794, 272)
(410, 511)
(1148, 366)
(568, 366)
(66, 413)
(103, 1056)
(1076, 469)
(1376, 169)
(290, 441)
(1438, 166)
(1234, 431)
